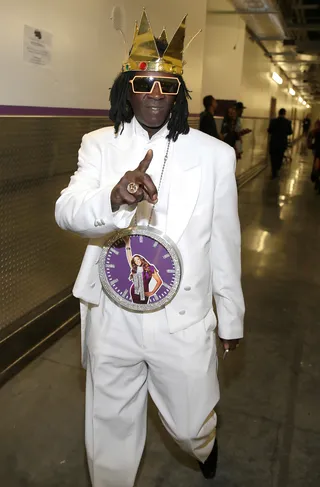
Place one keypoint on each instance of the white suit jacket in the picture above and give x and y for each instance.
(202, 220)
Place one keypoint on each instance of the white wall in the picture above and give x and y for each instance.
(87, 52)
(224, 47)
(315, 112)
(257, 86)
(236, 68)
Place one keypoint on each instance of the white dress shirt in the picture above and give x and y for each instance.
(158, 144)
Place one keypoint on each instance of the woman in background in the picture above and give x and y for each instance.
(141, 274)
(229, 128)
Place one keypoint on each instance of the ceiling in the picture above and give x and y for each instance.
(289, 33)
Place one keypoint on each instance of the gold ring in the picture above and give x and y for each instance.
(132, 188)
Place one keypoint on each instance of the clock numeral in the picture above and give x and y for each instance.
(155, 297)
(115, 281)
(170, 271)
(155, 244)
(141, 239)
(110, 266)
(125, 293)
(166, 256)
(166, 285)
(114, 251)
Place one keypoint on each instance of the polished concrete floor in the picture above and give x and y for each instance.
(269, 427)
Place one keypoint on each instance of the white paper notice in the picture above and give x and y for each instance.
(37, 46)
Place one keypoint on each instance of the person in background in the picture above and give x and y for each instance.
(306, 124)
(239, 107)
(314, 145)
(228, 129)
(279, 129)
(207, 121)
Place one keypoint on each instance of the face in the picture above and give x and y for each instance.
(232, 113)
(214, 105)
(152, 110)
(137, 261)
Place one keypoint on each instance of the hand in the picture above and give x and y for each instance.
(148, 294)
(147, 190)
(245, 131)
(229, 344)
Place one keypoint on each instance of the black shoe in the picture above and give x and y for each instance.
(209, 467)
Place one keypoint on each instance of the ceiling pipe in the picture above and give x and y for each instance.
(273, 27)
(271, 13)
(244, 11)
(306, 7)
(304, 27)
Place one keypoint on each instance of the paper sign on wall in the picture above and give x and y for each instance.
(37, 46)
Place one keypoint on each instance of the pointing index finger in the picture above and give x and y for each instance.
(145, 163)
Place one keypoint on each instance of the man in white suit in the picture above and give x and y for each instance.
(170, 353)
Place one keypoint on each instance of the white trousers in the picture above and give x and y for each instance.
(130, 354)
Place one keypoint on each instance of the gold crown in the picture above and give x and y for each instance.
(144, 54)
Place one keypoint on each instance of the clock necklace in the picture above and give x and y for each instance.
(140, 267)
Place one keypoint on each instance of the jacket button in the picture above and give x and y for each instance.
(187, 288)
(182, 312)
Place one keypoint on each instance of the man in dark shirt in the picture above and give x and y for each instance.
(279, 129)
(207, 121)
(306, 124)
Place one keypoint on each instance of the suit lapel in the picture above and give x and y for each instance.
(184, 191)
(184, 184)
(123, 140)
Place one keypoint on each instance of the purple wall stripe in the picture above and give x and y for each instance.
(23, 111)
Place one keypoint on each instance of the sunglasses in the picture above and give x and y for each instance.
(146, 84)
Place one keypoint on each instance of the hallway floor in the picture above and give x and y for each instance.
(269, 421)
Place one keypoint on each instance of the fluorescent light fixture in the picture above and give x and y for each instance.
(300, 99)
(291, 91)
(277, 78)
(304, 102)
(308, 106)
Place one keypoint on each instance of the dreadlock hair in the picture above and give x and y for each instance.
(121, 111)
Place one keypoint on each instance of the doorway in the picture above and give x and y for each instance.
(273, 107)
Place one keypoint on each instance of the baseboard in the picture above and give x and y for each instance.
(30, 337)
(253, 172)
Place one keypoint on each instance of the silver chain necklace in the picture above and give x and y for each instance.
(159, 186)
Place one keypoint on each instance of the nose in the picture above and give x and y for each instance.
(156, 92)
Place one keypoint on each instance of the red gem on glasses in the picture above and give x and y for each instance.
(143, 66)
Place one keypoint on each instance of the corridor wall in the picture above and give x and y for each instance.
(257, 86)
(86, 51)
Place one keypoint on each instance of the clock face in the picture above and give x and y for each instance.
(140, 269)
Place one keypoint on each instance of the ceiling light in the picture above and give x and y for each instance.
(308, 106)
(277, 78)
(304, 102)
(300, 99)
(292, 92)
